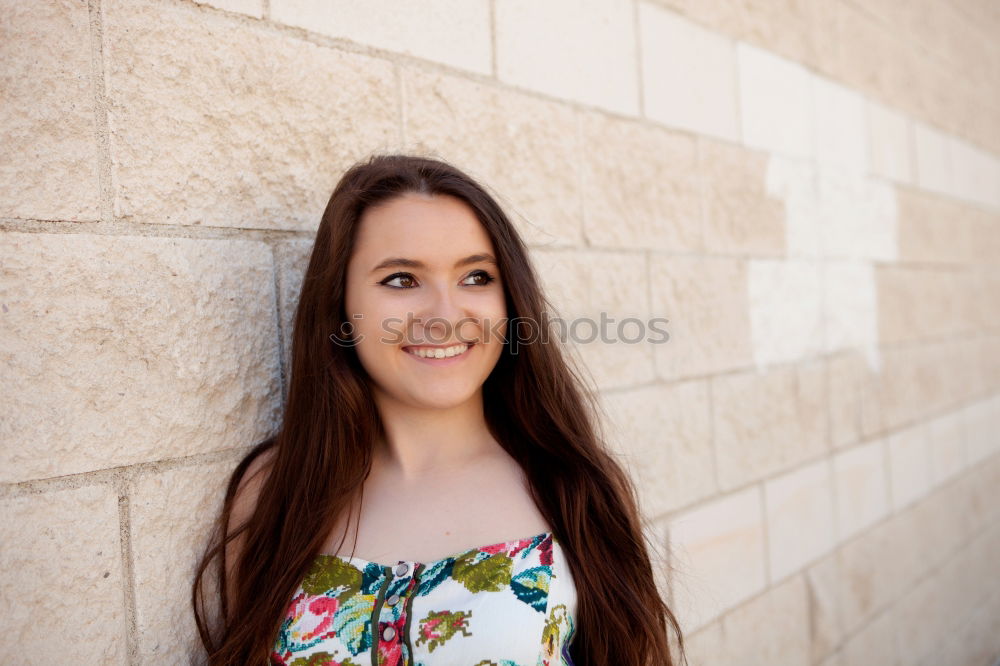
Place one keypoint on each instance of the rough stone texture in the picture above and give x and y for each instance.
(526, 150)
(860, 486)
(930, 59)
(588, 288)
(891, 136)
(741, 215)
(172, 513)
(124, 349)
(452, 32)
(921, 303)
(253, 8)
(780, 25)
(933, 229)
(48, 165)
(719, 556)
(946, 441)
(765, 422)
(823, 583)
(772, 628)
(656, 206)
(664, 433)
(61, 578)
(854, 390)
(786, 309)
(909, 465)
(706, 103)
(776, 103)
(705, 303)
(583, 51)
(800, 525)
(216, 121)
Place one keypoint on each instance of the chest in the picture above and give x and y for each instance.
(435, 517)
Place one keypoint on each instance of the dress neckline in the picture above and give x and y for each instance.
(454, 556)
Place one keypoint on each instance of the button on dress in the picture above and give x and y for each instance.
(506, 604)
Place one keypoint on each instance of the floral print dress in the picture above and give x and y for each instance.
(506, 604)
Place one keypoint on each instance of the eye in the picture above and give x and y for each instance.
(395, 276)
(486, 278)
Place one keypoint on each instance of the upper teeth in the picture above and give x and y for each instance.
(437, 352)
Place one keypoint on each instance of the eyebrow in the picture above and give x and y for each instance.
(413, 263)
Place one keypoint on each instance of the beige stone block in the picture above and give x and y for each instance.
(705, 303)
(771, 628)
(172, 514)
(705, 104)
(932, 524)
(800, 521)
(920, 379)
(656, 206)
(871, 578)
(981, 423)
(741, 215)
(782, 27)
(946, 443)
(985, 480)
(451, 32)
(940, 602)
(918, 303)
(842, 138)
(854, 396)
(983, 235)
(860, 487)
(223, 122)
(935, 229)
(891, 134)
(875, 643)
(823, 585)
(664, 434)
(933, 158)
(521, 151)
(49, 161)
(909, 465)
(579, 50)
(254, 8)
(123, 349)
(718, 551)
(777, 103)
(765, 422)
(603, 312)
(61, 593)
(870, 56)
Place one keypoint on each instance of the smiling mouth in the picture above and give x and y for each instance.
(438, 352)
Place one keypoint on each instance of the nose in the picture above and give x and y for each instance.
(442, 316)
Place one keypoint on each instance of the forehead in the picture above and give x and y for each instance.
(435, 229)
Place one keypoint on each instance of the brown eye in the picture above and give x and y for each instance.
(486, 278)
(398, 276)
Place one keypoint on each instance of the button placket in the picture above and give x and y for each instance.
(393, 613)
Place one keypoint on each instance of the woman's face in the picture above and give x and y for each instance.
(423, 277)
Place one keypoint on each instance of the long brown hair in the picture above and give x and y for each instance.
(536, 406)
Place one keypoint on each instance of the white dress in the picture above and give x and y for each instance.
(506, 604)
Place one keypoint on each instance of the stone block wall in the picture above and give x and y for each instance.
(808, 191)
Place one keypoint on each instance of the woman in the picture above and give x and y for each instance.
(415, 403)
